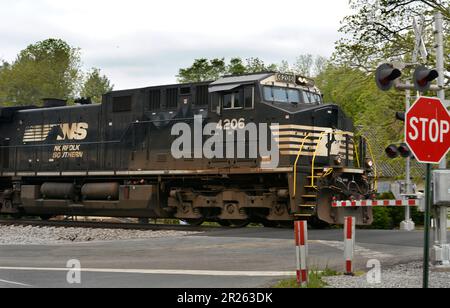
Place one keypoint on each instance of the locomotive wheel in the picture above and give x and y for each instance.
(238, 223)
(224, 223)
(195, 222)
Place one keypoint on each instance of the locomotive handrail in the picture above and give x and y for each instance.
(322, 134)
(356, 154)
(296, 163)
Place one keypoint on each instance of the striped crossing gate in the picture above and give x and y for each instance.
(376, 203)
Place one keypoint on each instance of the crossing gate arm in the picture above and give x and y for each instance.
(376, 203)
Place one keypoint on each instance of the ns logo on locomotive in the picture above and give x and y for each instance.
(250, 148)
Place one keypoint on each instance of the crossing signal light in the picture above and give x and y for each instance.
(385, 76)
(423, 77)
(404, 150)
(394, 151)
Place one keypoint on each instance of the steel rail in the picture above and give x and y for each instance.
(104, 225)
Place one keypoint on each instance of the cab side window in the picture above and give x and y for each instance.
(232, 100)
(249, 97)
(228, 101)
(237, 100)
(241, 99)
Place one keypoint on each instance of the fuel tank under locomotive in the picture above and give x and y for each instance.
(108, 198)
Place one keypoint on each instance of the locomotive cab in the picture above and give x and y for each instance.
(318, 140)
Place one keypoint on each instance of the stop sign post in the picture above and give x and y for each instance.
(427, 133)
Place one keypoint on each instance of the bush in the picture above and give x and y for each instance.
(381, 218)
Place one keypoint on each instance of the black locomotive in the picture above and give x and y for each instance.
(127, 157)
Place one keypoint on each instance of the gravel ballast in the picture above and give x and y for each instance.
(30, 235)
(399, 276)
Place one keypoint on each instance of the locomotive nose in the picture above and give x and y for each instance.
(327, 116)
(332, 116)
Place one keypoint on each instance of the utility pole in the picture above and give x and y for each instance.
(442, 250)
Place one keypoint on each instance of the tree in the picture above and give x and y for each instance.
(96, 85)
(202, 70)
(3, 68)
(236, 67)
(207, 70)
(320, 64)
(284, 67)
(381, 30)
(256, 65)
(304, 65)
(47, 69)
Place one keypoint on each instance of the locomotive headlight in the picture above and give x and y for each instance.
(338, 160)
(369, 163)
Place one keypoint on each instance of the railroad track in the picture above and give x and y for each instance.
(102, 225)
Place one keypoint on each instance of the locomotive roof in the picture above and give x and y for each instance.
(241, 79)
(231, 82)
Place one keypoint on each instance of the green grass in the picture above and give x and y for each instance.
(315, 280)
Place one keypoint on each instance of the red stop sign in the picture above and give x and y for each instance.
(428, 130)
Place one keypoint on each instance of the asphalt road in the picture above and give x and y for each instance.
(216, 259)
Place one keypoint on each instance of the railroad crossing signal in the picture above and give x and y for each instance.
(427, 130)
(394, 151)
(385, 76)
(423, 78)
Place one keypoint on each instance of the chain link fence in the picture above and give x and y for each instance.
(390, 168)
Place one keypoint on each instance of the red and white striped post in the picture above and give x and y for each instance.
(301, 241)
(349, 244)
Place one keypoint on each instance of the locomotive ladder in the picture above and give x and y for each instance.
(309, 198)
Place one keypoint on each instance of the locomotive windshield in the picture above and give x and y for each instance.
(289, 95)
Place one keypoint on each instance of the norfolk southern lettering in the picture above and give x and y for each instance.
(65, 131)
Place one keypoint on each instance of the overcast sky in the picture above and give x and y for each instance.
(140, 43)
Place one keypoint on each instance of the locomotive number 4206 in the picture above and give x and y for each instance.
(231, 124)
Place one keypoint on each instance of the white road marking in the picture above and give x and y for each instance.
(15, 283)
(364, 252)
(159, 271)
